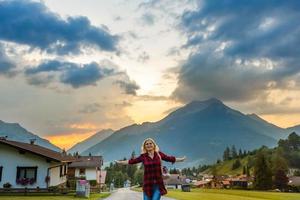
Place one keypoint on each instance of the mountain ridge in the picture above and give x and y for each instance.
(90, 141)
(200, 130)
(15, 132)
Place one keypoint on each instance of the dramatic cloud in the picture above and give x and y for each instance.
(7, 66)
(70, 73)
(87, 75)
(32, 23)
(241, 50)
(130, 87)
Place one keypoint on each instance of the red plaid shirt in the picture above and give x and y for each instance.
(152, 171)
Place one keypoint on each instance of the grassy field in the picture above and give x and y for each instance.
(214, 194)
(48, 197)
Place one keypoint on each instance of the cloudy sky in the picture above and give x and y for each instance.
(69, 68)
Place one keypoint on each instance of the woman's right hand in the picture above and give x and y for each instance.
(121, 162)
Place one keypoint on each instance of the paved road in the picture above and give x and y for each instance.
(127, 194)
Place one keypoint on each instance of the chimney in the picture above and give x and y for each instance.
(3, 138)
(32, 141)
(64, 153)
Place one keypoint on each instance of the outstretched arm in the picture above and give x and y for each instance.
(131, 161)
(122, 162)
(171, 159)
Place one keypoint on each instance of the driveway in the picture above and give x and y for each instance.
(127, 194)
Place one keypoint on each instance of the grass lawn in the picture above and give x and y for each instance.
(214, 194)
(52, 197)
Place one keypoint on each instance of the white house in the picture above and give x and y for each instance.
(175, 181)
(88, 167)
(29, 165)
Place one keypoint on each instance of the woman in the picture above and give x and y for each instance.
(151, 157)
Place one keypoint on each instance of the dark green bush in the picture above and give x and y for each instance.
(7, 185)
(93, 182)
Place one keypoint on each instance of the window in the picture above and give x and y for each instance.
(81, 171)
(60, 170)
(65, 169)
(1, 173)
(26, 173)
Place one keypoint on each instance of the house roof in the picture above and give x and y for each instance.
(294, 180)
(87, 161)
(38, 150)
(220, 177)
(174, 179)
(240, 178)
(203, 182)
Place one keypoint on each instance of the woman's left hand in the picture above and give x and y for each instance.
(180, 159)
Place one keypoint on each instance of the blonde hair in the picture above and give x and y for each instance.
(143, 148)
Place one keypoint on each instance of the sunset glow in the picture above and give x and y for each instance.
(70, 68)
(65, 141)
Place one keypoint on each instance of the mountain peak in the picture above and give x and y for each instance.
(206, 102)
(200, 105)
(193, 107)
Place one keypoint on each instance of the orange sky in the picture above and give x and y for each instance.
(66, 141)
(284, 120)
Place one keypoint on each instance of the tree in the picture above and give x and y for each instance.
(202, 168)
(297, 173)
(236, 164)
(174, 171)
(248, 170)
(240, 153)
(119, 179)
(131, 169)
(294, 141)
(233, 152)
(226, 154)
(109, 173)
(262, 172)
(280, 169)
(214, 171)
(244, 170)
(138, 177)
(280, 180)
(291, 147)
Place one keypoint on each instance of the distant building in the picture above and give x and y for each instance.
(175, 181)
(292, 171)
(30, 165)
(203, 184)
(88, 167)
(219, 182)
(294, 181)
(241, 181)
(127, 184)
